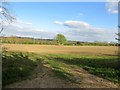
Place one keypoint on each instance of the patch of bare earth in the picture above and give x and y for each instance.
(43, 77)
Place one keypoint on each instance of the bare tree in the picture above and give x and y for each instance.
(5, 15)
(118, 34)
(5, 18)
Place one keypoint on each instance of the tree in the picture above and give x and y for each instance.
(78, 43)
(61, 39)
(118, 34)
(5, 16)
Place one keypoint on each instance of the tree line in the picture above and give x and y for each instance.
(60, 39)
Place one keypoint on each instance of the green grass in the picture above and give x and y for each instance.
(58, 69)
(102, 66)
(18, 66)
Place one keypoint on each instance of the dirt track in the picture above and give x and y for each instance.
(53, 49)
(44, 78)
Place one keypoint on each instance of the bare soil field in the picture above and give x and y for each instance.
(54, 49)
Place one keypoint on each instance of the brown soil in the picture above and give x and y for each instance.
(53, 49)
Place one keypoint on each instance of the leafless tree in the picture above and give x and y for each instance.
(5, 15)
(118, 34)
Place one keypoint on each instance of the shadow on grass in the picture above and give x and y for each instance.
(59, 70)
(61, 73)
(92, 62)
(16, 66)
(107, 68)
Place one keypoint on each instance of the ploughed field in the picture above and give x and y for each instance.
(55, 49)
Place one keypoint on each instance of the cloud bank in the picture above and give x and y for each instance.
(25, 29)
(73, 30)
(83, 31)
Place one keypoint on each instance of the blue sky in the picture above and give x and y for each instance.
(84, 21)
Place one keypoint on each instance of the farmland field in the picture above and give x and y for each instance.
(55, 49)
(60, 45)
(51, 66)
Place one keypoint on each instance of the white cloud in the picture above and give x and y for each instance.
(58, 22)
(112, 7)
(76, 30)
(11, 30)
(76, 24)
(29, 23)
(0, 9)
(79, 30)
(21, 24)
(26, 29)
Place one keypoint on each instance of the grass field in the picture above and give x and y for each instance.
(64, 61)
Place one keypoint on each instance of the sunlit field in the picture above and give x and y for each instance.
(71, 64)
(56, 49)
(60, 44)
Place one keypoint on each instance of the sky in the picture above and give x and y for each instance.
(80, 21)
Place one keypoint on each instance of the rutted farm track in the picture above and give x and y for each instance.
(43, 77)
